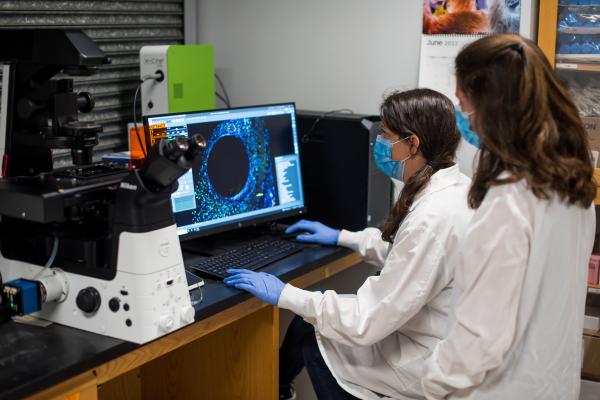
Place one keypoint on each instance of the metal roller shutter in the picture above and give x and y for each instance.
(119, 28)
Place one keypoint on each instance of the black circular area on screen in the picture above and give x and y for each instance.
(228, 166)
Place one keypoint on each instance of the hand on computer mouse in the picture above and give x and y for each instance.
(317, 232)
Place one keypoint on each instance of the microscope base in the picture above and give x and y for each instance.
(148, 297)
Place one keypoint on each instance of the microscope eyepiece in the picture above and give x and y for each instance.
(197, 144)
(173, 149)
(170, 159)
(182, 143)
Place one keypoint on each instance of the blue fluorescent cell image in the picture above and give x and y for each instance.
(236, 174)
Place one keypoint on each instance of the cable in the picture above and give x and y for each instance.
(226, 99)
(223, 100)
(137, 133)
(306, 136)
(50, 259)
(157, 76)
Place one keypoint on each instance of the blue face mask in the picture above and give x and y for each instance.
(382, 153)
(464, 126)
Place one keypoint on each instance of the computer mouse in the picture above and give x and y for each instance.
(293, 235)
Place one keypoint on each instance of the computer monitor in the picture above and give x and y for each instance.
(250, 171)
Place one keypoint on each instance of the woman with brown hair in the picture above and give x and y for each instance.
(521, 277)
(374, 343)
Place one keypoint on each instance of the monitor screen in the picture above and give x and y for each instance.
(249, 173)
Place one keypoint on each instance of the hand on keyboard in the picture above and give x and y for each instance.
(265, 286)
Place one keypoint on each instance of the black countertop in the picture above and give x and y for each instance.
(35, 358)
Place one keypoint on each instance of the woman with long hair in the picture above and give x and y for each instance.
(374, 343)
(521, 277)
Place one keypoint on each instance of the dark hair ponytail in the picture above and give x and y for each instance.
(430, 116)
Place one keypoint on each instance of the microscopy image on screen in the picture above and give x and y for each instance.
(237, 173)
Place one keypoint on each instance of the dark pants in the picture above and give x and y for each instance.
(300, 350)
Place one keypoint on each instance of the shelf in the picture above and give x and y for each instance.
(579, 5)
(590, 332)
(579, 67)
(578, 58)
(580, 30)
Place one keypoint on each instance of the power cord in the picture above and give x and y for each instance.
(226, 98)
(158, 76)
(306, 136)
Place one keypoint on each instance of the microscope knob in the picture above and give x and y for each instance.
(166, 322)
(88, 300)
(187, 314)
(114, 304)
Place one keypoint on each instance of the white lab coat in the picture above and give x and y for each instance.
(521, 287)
(375, 342)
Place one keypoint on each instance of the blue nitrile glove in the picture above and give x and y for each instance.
(318, 233)
(265, 286)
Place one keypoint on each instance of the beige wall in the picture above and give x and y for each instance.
(322, 54)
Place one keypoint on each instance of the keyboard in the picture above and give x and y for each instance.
(252, 255)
